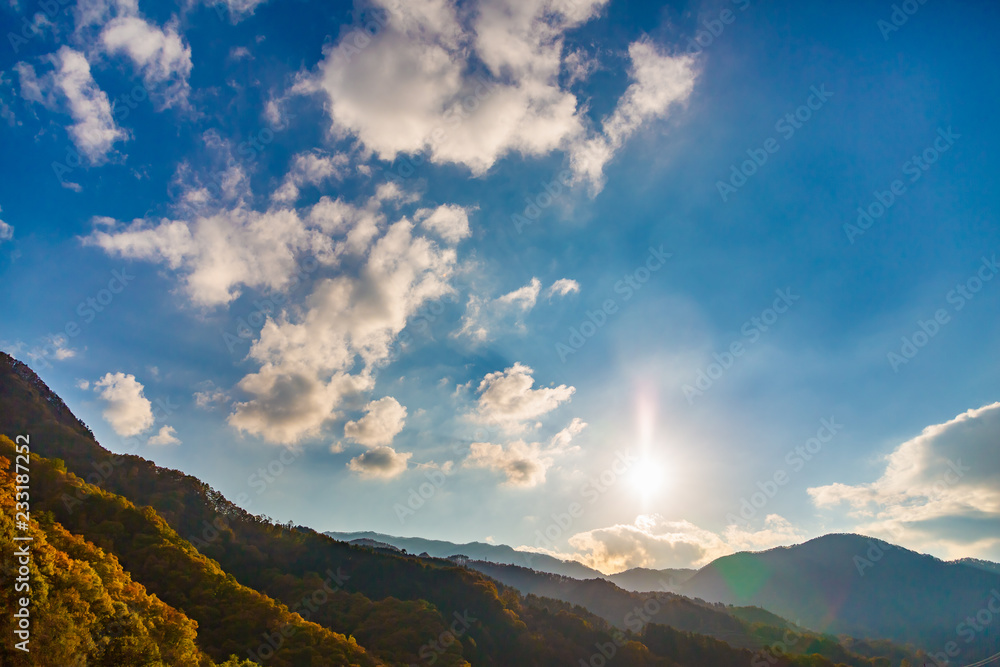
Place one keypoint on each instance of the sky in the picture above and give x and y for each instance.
(637, 284)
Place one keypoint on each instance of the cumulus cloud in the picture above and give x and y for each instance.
(562, 287)
(309, 168)
(507, 398)
(524, 464)
(450, 222)
(166, 436)
(380, 463)
(159, 55)
(417, 85)
(383, 420)
(218, 252)
(210, 396)
(655, 542)
(221, 244)
(348, 319)
(127, 410)
(69, 87)
(310, 362)
(940, 491)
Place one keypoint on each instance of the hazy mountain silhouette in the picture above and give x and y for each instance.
(494, 553)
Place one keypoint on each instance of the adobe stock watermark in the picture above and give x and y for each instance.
(304, 608)
(542, 199)
(713, 28)
(773, 653)
(786, 126)
(591, 491)
(259, 480)
(434, 649)
(266, 306)
(968, 629)
(31, 29)
(629, 284)
(88, 309)
(419, 496)
(958, 297)
(751, 330)
(899, 16)
(796, 459)
(915, 168)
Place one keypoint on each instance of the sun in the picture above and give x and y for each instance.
(647, 477)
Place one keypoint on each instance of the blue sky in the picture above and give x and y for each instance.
(434, 268)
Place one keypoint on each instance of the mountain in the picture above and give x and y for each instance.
(494, 553)
(641, 579)
(863, 587)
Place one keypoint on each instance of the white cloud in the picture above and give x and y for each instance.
(6, 231)
(940, 491)
(562, 287)
(310, 168)
(166, 436)
(654, 542)
(160, 56)
(222, 245)
(56, 346)
(210, 397)
(412, 89)
(660, 81)
(507, 398)
(523, 298)
(383, 420)
(127, 410)
(380, 463)
(309, 362)
(485, 317)
(238, 9)
(450, 222)
(414, 86)
(70, 87)
(83, 384)
(217, 252)
(524, 464)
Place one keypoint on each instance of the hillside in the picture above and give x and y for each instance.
(855, 585)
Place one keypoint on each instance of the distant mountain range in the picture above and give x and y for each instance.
(494, 553)
(637, 579)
